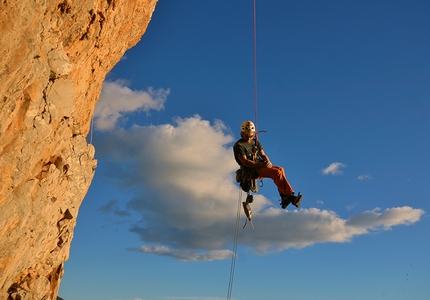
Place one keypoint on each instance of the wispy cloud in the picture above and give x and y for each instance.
(185, 255)
(182, 179)
(117, 100)
(334, 169)
(351, 206)
(364, 177)
(193, 298)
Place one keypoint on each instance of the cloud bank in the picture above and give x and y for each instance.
(181, 178)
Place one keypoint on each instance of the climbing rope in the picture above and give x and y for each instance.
(255, 66)
(233, 256)
(236, 234)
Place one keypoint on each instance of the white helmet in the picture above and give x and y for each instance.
(247, 127)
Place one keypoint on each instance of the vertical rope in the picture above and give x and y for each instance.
(233, 257)
(255, 66)
(236, 234)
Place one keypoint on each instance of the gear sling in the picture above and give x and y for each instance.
(247, 179)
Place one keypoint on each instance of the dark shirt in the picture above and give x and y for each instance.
(241, 148)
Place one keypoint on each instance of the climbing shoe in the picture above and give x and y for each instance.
(296, 200)
(285, 201)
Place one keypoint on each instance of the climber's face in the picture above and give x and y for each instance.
(248, 135)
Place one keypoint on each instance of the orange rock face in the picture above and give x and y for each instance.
(54, 56)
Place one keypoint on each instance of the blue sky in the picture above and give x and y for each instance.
(343, 95)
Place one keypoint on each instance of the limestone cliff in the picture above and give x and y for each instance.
(54, 55)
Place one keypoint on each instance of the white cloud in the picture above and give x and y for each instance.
(390, 217)
(364, 177)
(184, 191)
(310, 226)
(334, 169)
(117, 100)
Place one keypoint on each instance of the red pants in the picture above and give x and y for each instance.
(278, 176)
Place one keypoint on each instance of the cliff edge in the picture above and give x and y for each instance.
(54, 56)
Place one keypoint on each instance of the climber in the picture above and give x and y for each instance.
(250, 155)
